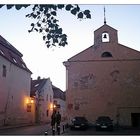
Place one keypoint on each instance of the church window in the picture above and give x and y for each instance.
(106, 54)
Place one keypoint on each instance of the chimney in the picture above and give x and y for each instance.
(38, 78)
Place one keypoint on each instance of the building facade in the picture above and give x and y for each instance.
(42, 92)
(59, 98)
(103, 80)
(15, 87)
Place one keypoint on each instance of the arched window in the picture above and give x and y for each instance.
(106, 54)
(105, 37)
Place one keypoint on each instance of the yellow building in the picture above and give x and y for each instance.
(104, 79)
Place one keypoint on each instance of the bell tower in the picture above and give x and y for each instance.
(105, 34)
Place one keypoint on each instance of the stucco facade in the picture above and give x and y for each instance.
(42, 91)
(103, 80)
(15, 88)
(60, 101)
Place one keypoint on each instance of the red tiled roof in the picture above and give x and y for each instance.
(12, 54)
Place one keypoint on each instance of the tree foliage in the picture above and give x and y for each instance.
(47, 22)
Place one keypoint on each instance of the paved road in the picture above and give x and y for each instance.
(26, 130)
(39, 130)
(92, 132)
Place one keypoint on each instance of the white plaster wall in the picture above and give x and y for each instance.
(14, 91)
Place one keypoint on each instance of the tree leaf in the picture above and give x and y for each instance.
(38, 12)
(47, 30)
(59, 31)
(60, 6)
(28, 15)
(74, 11)
(34, 16)
(53, 6)
(88, 16)
(38, 24)
(53, 13)
(32, 24)
(54, 21)
(40, 30)
(48, 15)
(68, 7)
(9, 6)
(43, 20)
(48, 45)
(44, 37)
(80, 15)
(25, 5)
(47, 42)
(36, 29)
(55, 40)
(18, 6)
(78, 9)
(49, 36)
(1, 5)
(86, 12)
(41, 7)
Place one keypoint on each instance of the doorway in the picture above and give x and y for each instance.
(135, 119)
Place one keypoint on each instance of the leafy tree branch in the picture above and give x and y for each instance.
(47, 22)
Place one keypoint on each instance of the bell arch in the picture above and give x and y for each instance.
(105, 37)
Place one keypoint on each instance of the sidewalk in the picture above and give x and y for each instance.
(20, 125)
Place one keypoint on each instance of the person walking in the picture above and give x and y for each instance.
(53, 122)
(58, 121)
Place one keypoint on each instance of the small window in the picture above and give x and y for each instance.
(50, 98)
(23, 65)
(14, 60)
(36, 85)
(29, 107)
(106, 54)
(2, 52)
(47, 113)
(4, 71)
(47, 97)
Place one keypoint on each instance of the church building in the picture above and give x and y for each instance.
(104, 80)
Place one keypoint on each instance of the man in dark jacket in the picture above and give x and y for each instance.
(58, 120)
(53, 122)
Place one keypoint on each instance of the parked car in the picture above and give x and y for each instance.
(104, 123)
(79, 123)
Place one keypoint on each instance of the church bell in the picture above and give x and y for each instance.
(105, 36)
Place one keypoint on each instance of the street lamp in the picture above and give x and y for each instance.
(52, 106)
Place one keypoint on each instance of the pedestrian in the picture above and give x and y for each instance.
(53, 122)
(58, 121)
